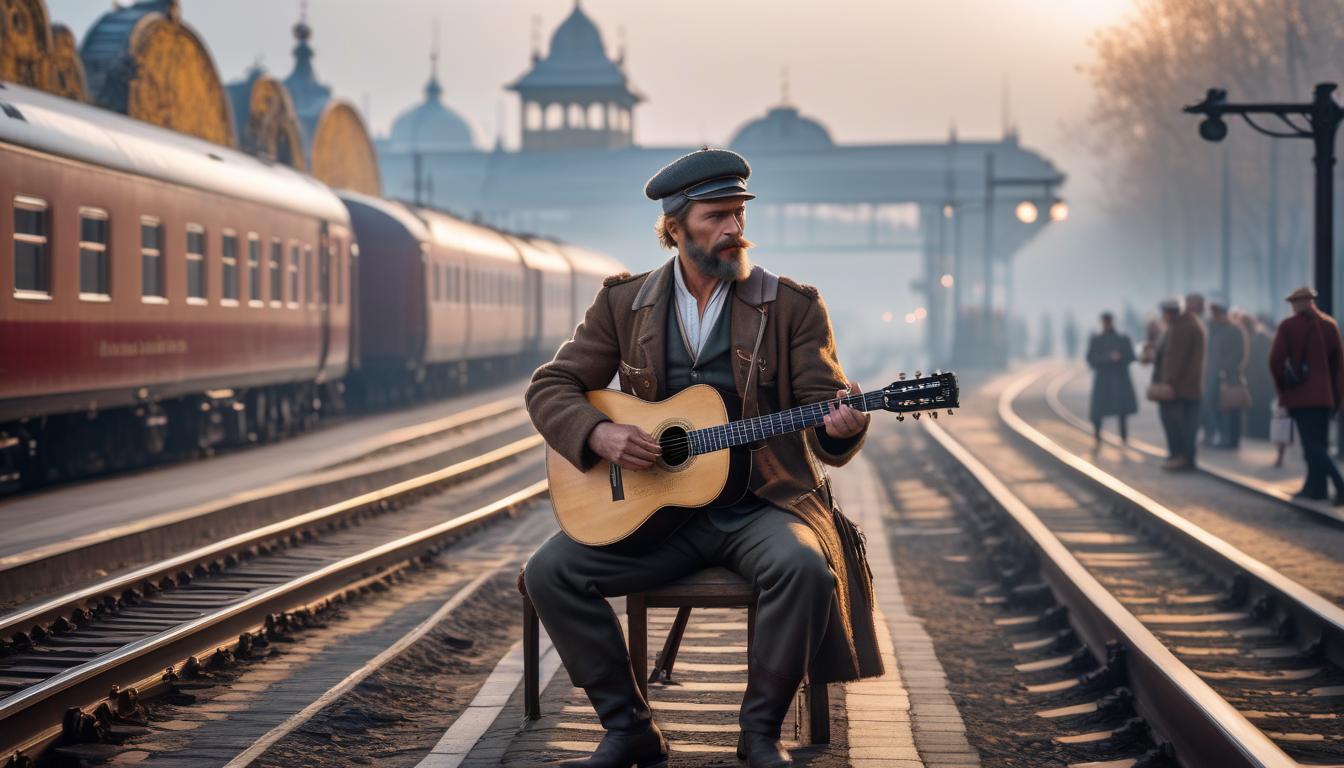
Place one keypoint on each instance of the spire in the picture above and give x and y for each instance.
(434, 91)
(303, 53)
(620, 51)
(783, 86)
(536, 38)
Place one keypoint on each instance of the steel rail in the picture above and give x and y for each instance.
(1320, 623)
(34, 715)
(48, 612)
(1237, 479)
(27, 573)
(1204, 730)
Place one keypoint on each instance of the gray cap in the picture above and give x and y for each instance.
(1170, 305)
(706, 174)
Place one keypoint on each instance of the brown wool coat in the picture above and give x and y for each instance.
(1180, 356)
(623, 333)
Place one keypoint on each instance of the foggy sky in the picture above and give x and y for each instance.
(871, 70)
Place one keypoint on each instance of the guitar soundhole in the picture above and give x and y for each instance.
(676, 446)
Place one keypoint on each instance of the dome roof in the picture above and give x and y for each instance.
(577, 59)
(577, 40)
(430, 126)
(782, 128)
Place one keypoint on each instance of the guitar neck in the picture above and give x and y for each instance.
(745, 431)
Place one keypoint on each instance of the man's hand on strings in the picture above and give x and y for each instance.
(624, 444)
(844, 421)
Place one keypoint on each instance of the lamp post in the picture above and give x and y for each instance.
(1026, 212)
(1322, 115)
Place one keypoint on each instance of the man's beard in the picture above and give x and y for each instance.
(712, 265)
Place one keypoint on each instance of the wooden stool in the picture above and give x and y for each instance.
(710, 588)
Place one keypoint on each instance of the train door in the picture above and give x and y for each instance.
(324, 298)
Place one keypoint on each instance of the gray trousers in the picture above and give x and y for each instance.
(569, 583)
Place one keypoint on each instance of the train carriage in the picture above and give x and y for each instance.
(190, 289)
(547, 312)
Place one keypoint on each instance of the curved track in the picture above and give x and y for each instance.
(1228, 661)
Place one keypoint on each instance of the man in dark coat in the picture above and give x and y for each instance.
(1258, 379)
(1226, 367)
(1180, 364)
(1308, 371)
(1109, 353)
(707, 316)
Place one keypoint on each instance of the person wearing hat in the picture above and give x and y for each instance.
(1305, 361)
(707, 315)
(1178, 375)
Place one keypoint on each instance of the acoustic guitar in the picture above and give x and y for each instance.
(705, 459)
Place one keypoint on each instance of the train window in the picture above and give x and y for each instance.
(308, 274)
(277, 272)
(195, 264)
(449, 282)
(151, 261)
(253, 269)
(293, 274)
(228, 258)
(438, 275)
(32, 260)
(93, 278)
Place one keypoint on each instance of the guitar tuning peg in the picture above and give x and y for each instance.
(919, 374)
(901, 376)
(916, 415)
(933, 414)
(951, 412)
(900, 417)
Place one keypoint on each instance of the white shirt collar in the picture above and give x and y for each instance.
(695, 328)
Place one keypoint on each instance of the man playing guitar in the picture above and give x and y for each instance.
(707, 316)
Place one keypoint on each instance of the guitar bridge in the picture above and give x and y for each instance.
(617, 486)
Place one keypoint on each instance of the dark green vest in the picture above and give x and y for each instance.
(715, 364)
(714, 367)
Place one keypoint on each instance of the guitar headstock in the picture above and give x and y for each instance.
(930, 393)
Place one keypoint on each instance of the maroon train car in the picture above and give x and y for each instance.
(157, 290)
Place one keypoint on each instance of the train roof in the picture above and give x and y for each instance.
(397, 212)
(540, 254)
(452, 232)
(77, 131)
(591, 262)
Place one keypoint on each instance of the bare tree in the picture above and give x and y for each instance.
(1162, 176)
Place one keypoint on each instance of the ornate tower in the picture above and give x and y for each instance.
(576, 97)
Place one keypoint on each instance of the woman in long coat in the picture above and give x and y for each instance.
(1109, 353)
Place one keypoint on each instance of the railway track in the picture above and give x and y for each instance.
(372, 463)
(1250, 485)
(138, 634)
(1220, 659)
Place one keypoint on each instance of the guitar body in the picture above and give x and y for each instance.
(608, 504)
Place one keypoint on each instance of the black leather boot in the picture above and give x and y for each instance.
(764, 706)
(632, 739)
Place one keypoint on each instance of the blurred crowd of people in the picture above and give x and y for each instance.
(1218, 378)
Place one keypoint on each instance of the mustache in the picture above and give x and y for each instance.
(735, 242)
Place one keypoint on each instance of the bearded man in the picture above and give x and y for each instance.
(707, 316)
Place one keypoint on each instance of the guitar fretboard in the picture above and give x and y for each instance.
(737, 433)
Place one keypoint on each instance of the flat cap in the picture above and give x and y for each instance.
(1169, 305)
(706, 174)
(1305, 292)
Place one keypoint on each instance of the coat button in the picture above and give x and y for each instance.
(695, 375)
(644, 384)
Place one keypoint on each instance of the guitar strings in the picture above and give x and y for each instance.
(741, 431)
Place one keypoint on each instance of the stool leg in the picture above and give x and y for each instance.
(638, 629)
(818, 703)
(662, 666)
(531, 660)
